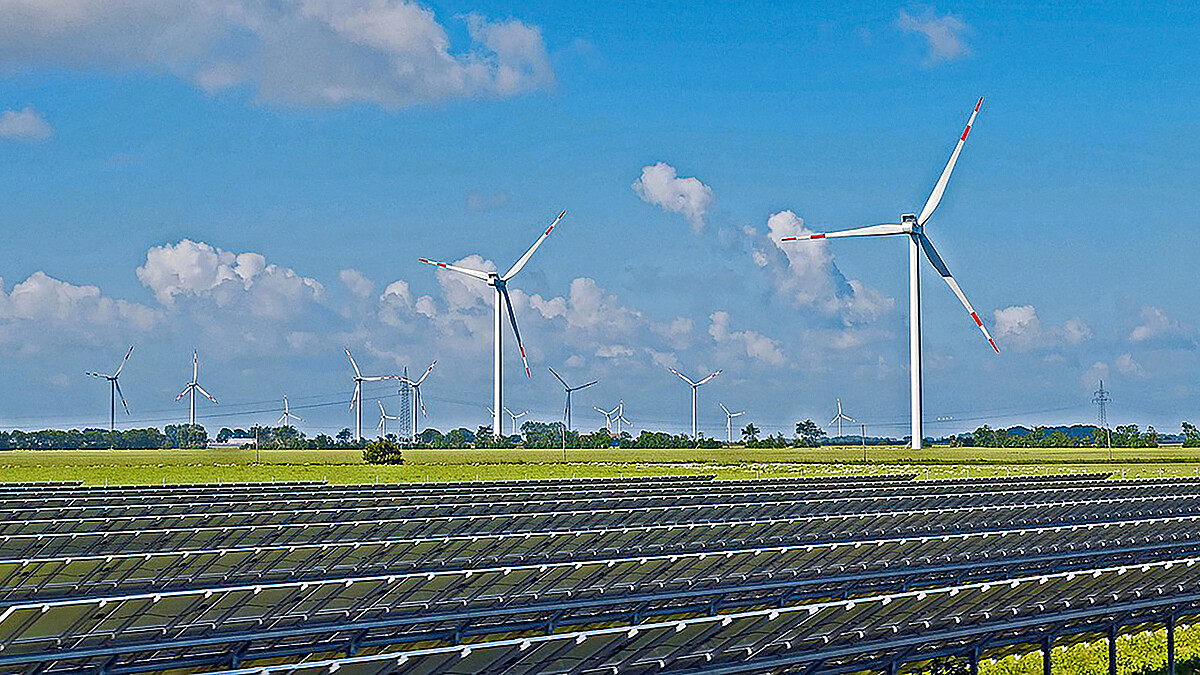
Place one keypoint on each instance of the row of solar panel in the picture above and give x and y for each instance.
(260, 620)
(532, 499)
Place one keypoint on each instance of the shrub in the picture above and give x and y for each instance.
(382, 452)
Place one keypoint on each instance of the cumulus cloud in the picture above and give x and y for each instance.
(1126, 365)
(1019, 327)
(750, 343)
(943, 34)
(357, 282)
(393, 53)
(24, 125)
(43, 298)
(659, 185)
(1158, 328)
(806, 274)
(199, 270)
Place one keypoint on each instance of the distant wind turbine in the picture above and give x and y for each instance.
(515, 417)
(912, 226)
(694, 386)
(839, 418)
(417, 401)
(356, 395)
(500, 295)
(609, 416)
(383, 418)
(729, 421)
(192, 387)
(114, 391)
(569, 389)
(286, 418)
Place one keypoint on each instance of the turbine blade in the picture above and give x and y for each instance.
(725, 409)
(935, 197)
(91, 374)
(940, 266)
(421, 402)
(513, 319)
(195, 365)
(354, 394)
(455, 268)
(296, 417)
(282, 421)
(682, 376)
(184, 392)
(427, 372)
(512, 272)
(709, 377)
(352, 362)
(868, 231)
(122, 366)
(585, 386)
(381, 411)
(558, 377)
(121, 396)
(206, 394)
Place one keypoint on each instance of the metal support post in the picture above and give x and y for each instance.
(1171, 645)
(1112, 650)
(1046, 645)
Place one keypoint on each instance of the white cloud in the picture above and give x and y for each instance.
(754, 345)
(659, 185)
(613, 351)
(1019, 327)
(393, 53)
(24, 125)
(198, 270)
(44, 298)
(357, 282)
(1162, 330)
(1126, 365)
(943, 34)
(1092, 376)
(808, 277)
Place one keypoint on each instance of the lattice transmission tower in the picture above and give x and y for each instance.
(1102, 399)
(406, 430)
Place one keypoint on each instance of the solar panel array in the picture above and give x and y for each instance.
(631, 575)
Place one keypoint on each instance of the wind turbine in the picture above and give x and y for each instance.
(839, 417)
(500, 285)
(515, 417)
(569, 389)
(383, 418)
(114, 390)
(356, 396)
(729, 421)
(913, 226)
(286, 418)
(193, 387)
(694, 386)
(417, 402)
(621, 417)
(608, 416)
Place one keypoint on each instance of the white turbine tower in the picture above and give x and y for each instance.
(839, 418)
(193, 387)
(569, 389)
(114, 391)
(500, 294)
(913, 226)
(515, 417)
(621, 418)
(356, 395)
(694, 386)
(285, 420)
(729, 421)
(417, 401)
(383, 418)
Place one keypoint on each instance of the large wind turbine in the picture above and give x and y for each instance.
(193, 387)
(839, 417)
(417, 402)
(913, 226)
(114, 390)
(729, 421)
(694, 386)
(500, 285)
(569, 389)
(356, 395)
(286, 418)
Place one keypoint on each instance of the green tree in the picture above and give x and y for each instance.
(382, 452)
(750, 433)
(809, 434)
(1191, 436)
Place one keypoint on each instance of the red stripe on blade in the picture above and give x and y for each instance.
(976, 317)
(965, 132)
(817, 236)
(994, 345)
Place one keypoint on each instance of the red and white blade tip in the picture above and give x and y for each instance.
(805, 237)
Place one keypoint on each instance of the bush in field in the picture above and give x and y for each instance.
(382, 452)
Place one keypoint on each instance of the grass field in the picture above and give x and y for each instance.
(97, 467)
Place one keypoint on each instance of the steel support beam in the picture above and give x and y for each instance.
(1112, 650)
(1047, 645)
(1171, 644)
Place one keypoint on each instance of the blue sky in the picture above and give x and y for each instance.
(256, 180)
